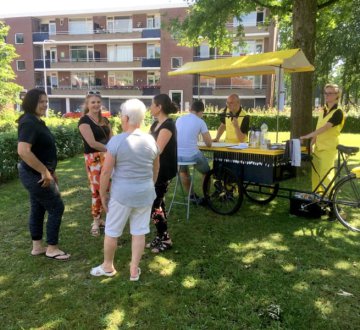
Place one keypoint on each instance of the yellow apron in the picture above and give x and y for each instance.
(325, 152)
(230, 130)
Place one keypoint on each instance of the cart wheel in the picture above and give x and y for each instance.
(346, 202)
(260, 193)
(222, 191)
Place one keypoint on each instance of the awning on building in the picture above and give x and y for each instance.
(292, 60)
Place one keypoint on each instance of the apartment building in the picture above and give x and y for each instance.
(127, 54)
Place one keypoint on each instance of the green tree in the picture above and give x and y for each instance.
(338, 48)
(9, 91)
(207, 19)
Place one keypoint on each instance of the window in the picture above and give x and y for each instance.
(207, 82)
(117, 53)
(176, 62)
(153, 78)
(121, 78)
(54, 80)
(243, 82)
(153, 51)
(119, 24)
(260, 16)
(80, 26)
(153, 22)
(250, 47)
(82, 53)
(249, 19)
(82, 79)
(204, 51)
(19, 38)
(52, 28)
(20, 65)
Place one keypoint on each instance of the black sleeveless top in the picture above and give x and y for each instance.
(101, 133)
(168, 158)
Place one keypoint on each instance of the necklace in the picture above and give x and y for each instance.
(96, 121)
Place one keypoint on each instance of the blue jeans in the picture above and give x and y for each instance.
(42, 200)
(202, 165)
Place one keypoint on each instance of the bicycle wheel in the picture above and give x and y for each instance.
(260, 193)
(346, 202)
(222, 191)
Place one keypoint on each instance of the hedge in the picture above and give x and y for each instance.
(352, 123)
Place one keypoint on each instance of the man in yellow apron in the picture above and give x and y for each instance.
(326, 137)
(234, 121)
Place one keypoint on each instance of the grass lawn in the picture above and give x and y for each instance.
(258, 269)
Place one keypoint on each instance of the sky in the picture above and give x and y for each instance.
(13, 8)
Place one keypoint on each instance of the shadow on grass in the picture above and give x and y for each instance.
(222, 273)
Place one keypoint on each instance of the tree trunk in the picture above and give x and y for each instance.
(304, 30)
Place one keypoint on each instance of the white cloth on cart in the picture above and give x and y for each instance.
(295, 152)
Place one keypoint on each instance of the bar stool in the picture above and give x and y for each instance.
(185, 196)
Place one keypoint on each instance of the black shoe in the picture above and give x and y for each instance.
(197, 200)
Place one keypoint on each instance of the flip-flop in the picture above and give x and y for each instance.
(58, 256)
(99, 271)
(137, 277)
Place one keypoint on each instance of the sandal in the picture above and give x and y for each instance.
(95, 229)
(101, 223)
(162, 246)
(153, 243)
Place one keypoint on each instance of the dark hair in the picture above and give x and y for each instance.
(167, 106)
(31, 100)
(198, 106)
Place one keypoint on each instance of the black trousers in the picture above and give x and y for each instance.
(42, 200)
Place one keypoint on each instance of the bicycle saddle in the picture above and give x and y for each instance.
(347, 150)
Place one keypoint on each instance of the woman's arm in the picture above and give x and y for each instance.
(88, 135)
(110, 131)
(25, 153)
(163, 139)
(317, 132)
(156, 166)
(106, 172)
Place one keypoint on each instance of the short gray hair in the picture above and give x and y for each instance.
(135, 110)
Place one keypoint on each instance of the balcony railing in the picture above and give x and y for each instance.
(107, 90)
(144, 32)
(141, 62)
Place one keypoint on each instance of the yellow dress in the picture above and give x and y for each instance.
(230, 130)
(325, 152)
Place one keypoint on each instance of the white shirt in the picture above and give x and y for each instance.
(132, 178)
(188, 129)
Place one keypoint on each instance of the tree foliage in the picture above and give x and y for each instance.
(338, 48)
(207, 19)
(9, 90)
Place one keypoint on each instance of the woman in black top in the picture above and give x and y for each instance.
(164, 132)
(96, 132)
(37, 150)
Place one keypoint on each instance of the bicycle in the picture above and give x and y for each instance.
(224, 188)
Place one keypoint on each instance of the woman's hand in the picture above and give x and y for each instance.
(105, 201)
(46, 179)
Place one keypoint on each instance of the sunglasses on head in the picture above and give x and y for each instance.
(93, 93)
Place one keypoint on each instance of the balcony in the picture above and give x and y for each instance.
(107, 91)
(40, 36)
(150, 62)
(39, 64)
(151, 33)
(98, 35)
(97, 63)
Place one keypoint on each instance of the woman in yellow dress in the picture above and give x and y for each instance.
(325, 138)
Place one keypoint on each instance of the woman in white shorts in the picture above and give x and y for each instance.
(132, 162)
